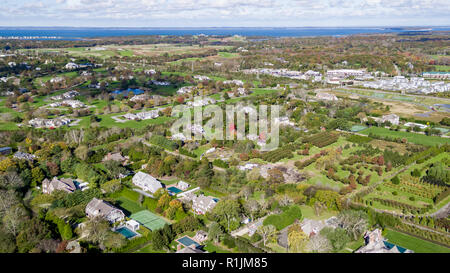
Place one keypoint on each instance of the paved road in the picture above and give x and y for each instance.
(443, 212)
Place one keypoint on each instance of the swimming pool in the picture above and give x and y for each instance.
(127, 233)
(174, 190)
(186, 241)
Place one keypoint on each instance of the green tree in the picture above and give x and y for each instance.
(227, 210)
(215, 231)
(37, 176)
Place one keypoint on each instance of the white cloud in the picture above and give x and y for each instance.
(225, 12)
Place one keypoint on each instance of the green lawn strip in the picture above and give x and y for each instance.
(129, 205)
(227, 54)
(148, 248)
(411, 137)
(213, 248)
(308, 212)
(276, 247)
(415, 244)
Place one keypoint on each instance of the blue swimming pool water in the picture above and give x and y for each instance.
(126, 92)
(186, 241)
(126, 232)
(174, 190)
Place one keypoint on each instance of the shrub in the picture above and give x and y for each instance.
(395, 180)
(229, 241)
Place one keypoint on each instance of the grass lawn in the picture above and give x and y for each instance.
(443, 68)
(413, 243)
(147, 249)
(213, 248)
(276, 247)
(228, 54)
(355, 244)
(262, 91)
(308, 212)
(129, 205)
(411, 137)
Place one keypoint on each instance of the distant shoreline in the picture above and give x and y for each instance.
(69, 33)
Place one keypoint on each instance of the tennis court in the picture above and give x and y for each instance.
(148, 219)
(357, 128)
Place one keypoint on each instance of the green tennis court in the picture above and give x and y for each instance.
(148, 219)
(357, 128)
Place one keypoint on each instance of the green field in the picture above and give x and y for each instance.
(308, 212)
(411, 137)
(213, 248)
(129, 205)
(413, 243)
(443, 68)
(228, 54)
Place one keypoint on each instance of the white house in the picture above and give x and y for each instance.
(413, 124)
(132, 225)
(326, 96)
(392, 118)
(202, 204)
(179, 136)
(146, 182)
(71, 66)
(183, 185)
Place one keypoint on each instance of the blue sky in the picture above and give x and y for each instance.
(217, 13)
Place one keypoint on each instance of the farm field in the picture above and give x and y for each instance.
(411, 137)
(410, 191)
(109, 51)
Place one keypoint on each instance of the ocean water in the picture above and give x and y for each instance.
(80, 33)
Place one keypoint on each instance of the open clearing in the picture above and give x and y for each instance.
(415, 244)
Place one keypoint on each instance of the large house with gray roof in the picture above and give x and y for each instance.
(202, 204)
(99, 208)
(63, 184)
(146, 182)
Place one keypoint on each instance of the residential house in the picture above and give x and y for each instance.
(200, 236)
(146, 182)
(326, 96)
(140, 98)
(392, 118)
(192, 249)
(49, 123)
(64, 184)
(202, 204)
(183, 185)
(235, 82)
(71, 66)
(179, 136)
(116, 157)
(132, 225)
(375, 243)
(26, 156)
(201, 78)
(413, 124)
(185, 90)
(99, 208)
